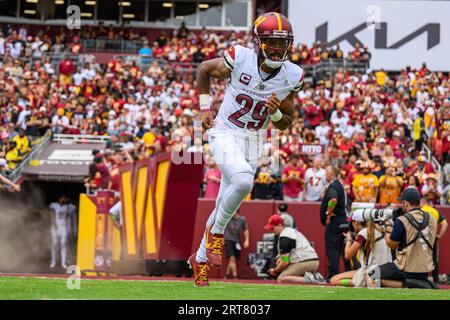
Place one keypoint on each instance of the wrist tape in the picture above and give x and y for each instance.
(205, 102)
(276, 116)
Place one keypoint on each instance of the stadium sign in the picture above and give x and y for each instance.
(311, 149)
(398, 33)
(62, 162)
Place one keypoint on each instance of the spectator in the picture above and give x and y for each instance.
(183, 31)
(337, 53)
(60, 122)
(419, 132)
(390, 186)
(315, 180)
(365, 185)
(293, 180)
(66, 70)
(322, 131)
(365, 55)
(13, 156)
(264, 182)
(212, 181)
(146, 53)
(295, 257)
(431, 189)
(23, 143)
(232, 235)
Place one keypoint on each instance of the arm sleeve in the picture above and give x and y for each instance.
(286, 245)
(244, 223)
(229, 58)
(361, 237)
(299, 84)
(398, 231)
(441, 217)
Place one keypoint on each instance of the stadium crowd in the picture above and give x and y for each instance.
(372, 125)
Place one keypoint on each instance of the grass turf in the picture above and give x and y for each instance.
(54, 288)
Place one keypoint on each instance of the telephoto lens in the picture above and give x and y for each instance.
(376, 214)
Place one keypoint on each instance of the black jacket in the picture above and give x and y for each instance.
(334, 190)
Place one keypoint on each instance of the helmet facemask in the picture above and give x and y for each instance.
(275, 49)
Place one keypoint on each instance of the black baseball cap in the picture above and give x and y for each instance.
(283, 207)
(410, 195)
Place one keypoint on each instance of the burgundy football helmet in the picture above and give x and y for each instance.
(273, 38)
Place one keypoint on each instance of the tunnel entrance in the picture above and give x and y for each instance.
(25, 227)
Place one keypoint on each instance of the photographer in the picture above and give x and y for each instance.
(371, 246)
(412, 235)
(295, 256)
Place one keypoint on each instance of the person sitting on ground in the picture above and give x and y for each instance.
(295, 256)
(372, 249)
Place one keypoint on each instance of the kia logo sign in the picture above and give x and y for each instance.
(432, 30)
(397, 33)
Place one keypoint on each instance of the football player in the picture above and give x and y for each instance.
(261, 88)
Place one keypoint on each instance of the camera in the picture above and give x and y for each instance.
(380, 215)
(345, 227)
(261, 262)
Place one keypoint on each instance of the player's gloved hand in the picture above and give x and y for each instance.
(273, 104)
(206, 117)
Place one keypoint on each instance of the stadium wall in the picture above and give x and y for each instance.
(307, 217)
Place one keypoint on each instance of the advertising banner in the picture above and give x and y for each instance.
(397, 33)
(311, 149)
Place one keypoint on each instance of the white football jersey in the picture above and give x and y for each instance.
(246, 92)
(60, 214)
(315, 182)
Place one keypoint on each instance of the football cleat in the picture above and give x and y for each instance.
(214, 248)
(200, 271)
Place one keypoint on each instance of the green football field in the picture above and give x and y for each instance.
(56, 288)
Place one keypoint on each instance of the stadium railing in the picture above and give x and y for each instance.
(78, 138)
(103, 44)
(318, 71)
(43, 142)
